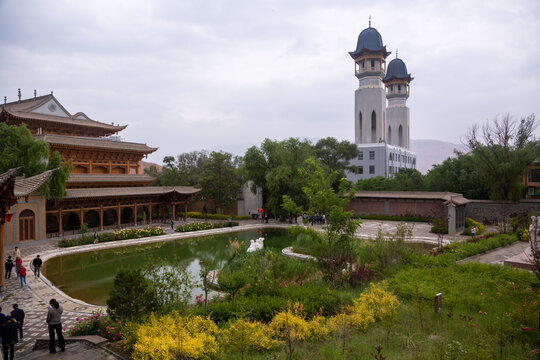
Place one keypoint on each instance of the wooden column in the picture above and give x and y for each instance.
(127, 167)
(82, 216)
(138, 165)
(100, 216)
(173, 204)
(185, 210)
(2, 254)
(90, 166)
(60, 225)
(150, 211)
(135, 213)
(118, 215)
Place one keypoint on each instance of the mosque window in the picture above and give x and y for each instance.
(372, 169)
(372, 155)
(399, 88)
(360, 169)
(361, 155)
(372, 63)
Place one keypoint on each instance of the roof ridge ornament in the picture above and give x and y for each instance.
(396, 53)
(369, 20)
(35, 94)
(19, 94)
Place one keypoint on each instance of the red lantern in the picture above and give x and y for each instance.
(8, 217)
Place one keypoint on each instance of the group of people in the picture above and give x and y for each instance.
(20, 269)
(11, 328)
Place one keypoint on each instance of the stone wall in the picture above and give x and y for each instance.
(487, 211)
(365, 206)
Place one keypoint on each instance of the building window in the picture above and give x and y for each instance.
(399, 88)
(372, 63)
(360, 169)
(361, 155)
(534, 175)
(372, 169)
(372, 155)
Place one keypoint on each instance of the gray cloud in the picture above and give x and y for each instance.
(188, 75)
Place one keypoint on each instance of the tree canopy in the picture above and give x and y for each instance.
(19, 148)
(219, 179)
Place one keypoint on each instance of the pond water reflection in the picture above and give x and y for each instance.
(89, 276)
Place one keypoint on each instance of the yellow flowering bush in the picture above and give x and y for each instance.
(382, 302)
(172, 336)
(244, 335)
(318, 328)
(289, 329)
(375, 304)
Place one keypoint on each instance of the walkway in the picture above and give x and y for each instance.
(499, 255)
(33, 299)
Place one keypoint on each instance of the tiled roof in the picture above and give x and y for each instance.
(9, 174)
(26, 186)
(129, 191)
(447, 197)
(100, 143)
(98, 178)
(23, 109)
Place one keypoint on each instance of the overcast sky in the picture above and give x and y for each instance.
(190, 75)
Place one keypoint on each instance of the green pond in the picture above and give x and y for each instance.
(89, 276)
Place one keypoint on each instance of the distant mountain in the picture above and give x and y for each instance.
(147, 165)
(432, 152)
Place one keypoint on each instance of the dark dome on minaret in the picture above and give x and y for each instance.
(369, 40)
(397, 70)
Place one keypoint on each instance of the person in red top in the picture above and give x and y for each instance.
(18, 264)
(22, 275)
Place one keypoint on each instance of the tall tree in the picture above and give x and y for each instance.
(335, 154)
(502, 150)
(219, 179)
(19, 148)
(274, 167)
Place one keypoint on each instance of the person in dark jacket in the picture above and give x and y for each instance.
(18, 314)
(8, 266)
(54, 321)
(36, 266)
(9, 337)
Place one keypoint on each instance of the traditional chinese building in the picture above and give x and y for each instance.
(106, 188)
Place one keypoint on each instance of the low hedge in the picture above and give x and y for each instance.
(123, 234)
(470, 248)
(196, 226)
(407, 217)
(199, 215)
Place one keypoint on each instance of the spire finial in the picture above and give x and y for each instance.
(396, 52)
(5, 101)
(35, 94)
(19, 93)
(369, 20)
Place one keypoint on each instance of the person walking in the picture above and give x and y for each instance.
(18, 264)
(16, 252)
(54, 322)
(230, 221)
(36, 266)
(8, 266)
(18, 314)
(95, 238)
(22, 275)
(8, 332)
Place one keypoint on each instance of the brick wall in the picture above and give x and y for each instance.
(487, 211)
(391, 206)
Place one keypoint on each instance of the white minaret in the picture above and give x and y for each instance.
(397, 82)
(370, 98)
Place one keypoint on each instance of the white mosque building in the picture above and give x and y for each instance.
(381, 128)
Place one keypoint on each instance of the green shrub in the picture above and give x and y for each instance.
(196, 226)
(232, 281)
(463, 250)
(123, 234)
(469, 223)
(97, 324)
(439, 230)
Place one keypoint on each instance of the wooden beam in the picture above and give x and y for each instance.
(118, 215)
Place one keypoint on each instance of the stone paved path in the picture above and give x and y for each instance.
(499, 255)
(34, 297)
